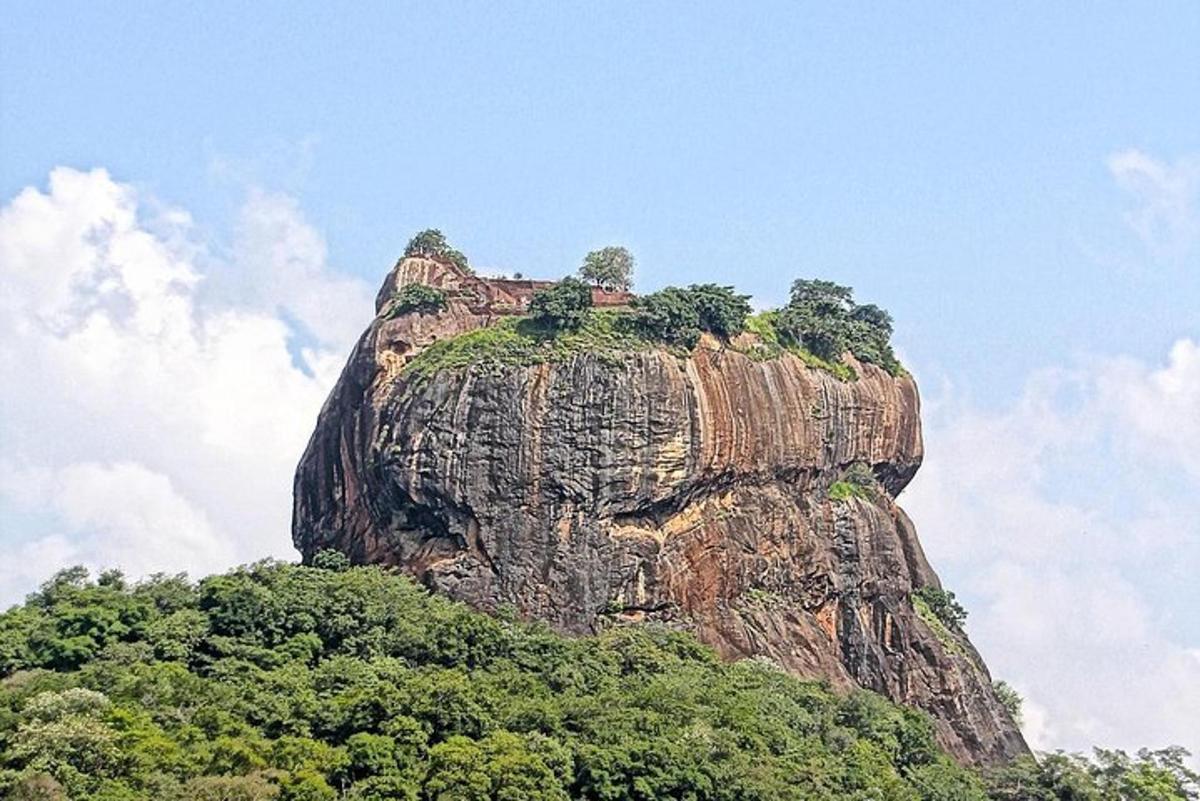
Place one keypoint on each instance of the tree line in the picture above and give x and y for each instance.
(277, 681)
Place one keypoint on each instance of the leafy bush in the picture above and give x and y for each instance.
(1009, 698)
(418, 298)
(611, 268)
(669, 315)
(431, 243)
(857, 482)
(772, 344)
(722, 311)
(678, 316)
(943, 605)
(823, 317)
(564, 306)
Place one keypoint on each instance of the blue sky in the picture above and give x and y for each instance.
(947, 162)
(1016, 182)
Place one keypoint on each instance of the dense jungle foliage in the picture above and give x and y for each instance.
(277, 681)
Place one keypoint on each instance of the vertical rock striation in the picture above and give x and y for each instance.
(693, 491)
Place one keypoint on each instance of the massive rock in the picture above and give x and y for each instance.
(693, 491)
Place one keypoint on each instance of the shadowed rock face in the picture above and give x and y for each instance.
(690, 491)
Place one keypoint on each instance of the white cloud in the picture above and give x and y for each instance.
(160, 395)
(1167, 215)
(1071, 523)
(123, 509)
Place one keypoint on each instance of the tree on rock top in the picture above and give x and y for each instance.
(822, 317)
(610, 268)
(562, 307)
(431, 243)
(678, 316)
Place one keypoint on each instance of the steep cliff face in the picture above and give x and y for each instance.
(694, 491)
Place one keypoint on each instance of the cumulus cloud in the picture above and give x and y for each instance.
(162, 387)
(1166, 216)
(1071, 524)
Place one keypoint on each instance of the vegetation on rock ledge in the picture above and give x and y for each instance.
(431, 243)
(523, 341)
(943, 605)
(565, 306)
(678, 317)
(822, 317)
(771, 343)
(857, 482)
(417, 298)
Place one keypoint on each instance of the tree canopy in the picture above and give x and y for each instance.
(678, 316)
(563, 306)
(822, 317)
(419, 299)
(276, 681)
(610, 268)
(431, 243)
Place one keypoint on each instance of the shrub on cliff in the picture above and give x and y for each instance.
(858, 481)
(678, 316)
(771, 343)
(822, 317)
(944, 606)
(670, 316)
(431, 243)
(610, 268)
(418, 298)
(563, 306)
(1009, 698)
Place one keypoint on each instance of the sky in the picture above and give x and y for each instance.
(198, 204)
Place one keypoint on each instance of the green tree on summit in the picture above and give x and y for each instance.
(610, 268)
(431, 243)
(678, 316)
(823, 318)
(563, 306)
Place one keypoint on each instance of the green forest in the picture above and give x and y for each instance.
(277, 681)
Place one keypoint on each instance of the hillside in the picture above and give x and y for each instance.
(667, 458)
(302, 684)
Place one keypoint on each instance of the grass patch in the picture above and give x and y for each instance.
(761, 597)
(940, 630)
(771, 345)
(845, 490)
(608, 333)
(520, 341)
(857, 481)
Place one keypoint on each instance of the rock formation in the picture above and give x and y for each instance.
(693, 491)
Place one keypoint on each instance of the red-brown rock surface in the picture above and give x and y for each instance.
(691, 491)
